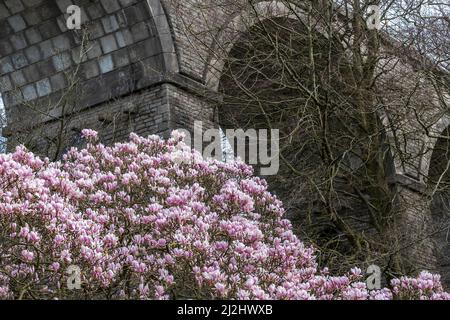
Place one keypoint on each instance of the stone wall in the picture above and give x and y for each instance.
(153, 66)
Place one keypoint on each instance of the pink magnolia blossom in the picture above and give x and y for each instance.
(152, 219)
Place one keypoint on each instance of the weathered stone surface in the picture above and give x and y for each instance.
(19, 60)
(93, 50)
(31, 73)
(58, 81)
(43, 87)
(5, 48)
(140, 31)
(62, 61)
(4, 12)
(49, 29)
(6, 65)
(108, 43)
(110, 5)
(17, 23)
(90, 69)
(46, 68)
(33, 54)
(18, 78)
(106, 63)
(14, 6)
(5, 84)
(46, 49)
(110, 23)
(124, 38)
(49, 10)
(95, 11)
(134, 14)
(61, 43)
(33, 36)
(18, 41)
(29, 92)
(121, 58)
(95, 30)
(31, 17)
(63, 4)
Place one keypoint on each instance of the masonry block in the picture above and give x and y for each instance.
(29, 92)
(33, 54)
(95, 11)
(18, 41)
(31, 17)
(19, 60)
(46, 68)
(4, 12)
(31, 73)
(64, 4)
(110, 23)
(33, 36)
(134, 15)
(6, 65)
(106, 63)
(90, 69)
(95, 30)
(18, 78)
(49, 9)
(93, 50)
(110, 6)
(140, 31)
(43, 87)
(46, 49)
(14, 6)
(5, 84)
(58, 81)
(78, 55)
(124, 38)
(49, 29)
(61, 43)
(108, 43)
(17, 23)
(5, 48)
(62, 61)
(121, 57)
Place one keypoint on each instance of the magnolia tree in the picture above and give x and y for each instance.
(151, 219)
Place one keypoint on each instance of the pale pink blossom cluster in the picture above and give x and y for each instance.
(141, 224)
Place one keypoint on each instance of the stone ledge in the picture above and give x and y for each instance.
(408, 182)
(94, 98)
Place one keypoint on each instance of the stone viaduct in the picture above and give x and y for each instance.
(153, 66)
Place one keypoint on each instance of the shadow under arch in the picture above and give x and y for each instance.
(438, 183)
(266, 82)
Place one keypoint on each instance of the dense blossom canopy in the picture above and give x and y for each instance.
(152, 219)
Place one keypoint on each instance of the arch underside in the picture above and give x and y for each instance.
(259, 93)
(439, 189)
(409, 174)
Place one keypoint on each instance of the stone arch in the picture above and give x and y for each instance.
(291, 194)
(431, 140)
(162, 23)
(234, 26)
